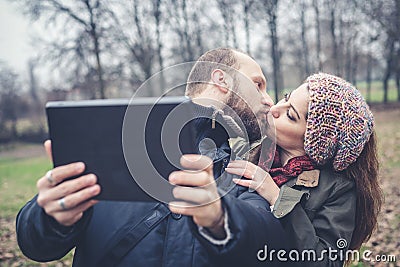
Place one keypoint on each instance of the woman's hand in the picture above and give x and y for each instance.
(259, 179)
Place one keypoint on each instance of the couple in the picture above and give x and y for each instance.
(321, 154)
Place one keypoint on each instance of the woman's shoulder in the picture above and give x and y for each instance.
(335, 181)
(331, 186)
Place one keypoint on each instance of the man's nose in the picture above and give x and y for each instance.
(267, 100)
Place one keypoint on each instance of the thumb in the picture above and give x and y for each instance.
(197, 162)
(47, 147)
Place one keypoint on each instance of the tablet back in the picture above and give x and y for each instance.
(131, 146)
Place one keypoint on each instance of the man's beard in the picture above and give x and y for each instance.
(246, 115)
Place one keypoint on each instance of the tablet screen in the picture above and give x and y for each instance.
(131, 146)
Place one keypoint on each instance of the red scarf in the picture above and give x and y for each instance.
(293, 168)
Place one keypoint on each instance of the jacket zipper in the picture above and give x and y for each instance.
(213, 119)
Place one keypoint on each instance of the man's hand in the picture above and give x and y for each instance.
(66, 201)
(198, 193)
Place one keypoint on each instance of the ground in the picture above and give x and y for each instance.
(22, 164)
(386, 240)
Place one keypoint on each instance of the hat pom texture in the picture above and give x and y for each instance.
(339, 121)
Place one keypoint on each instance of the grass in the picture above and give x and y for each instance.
(18, 178)
(18, 182)
(376, 91)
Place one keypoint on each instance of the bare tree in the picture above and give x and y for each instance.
(390, 49)
(318, 33)
(87, 23)
(270, 10)
(331, 6)
(157, 17)
(369, 77)
(36, 106)
(33, 86)
(354, 65)
(227, 9)
(397, 26)
(186, 32)
(198, 30)
(9, 102)
(247, 9)
(387, 14)
(187, 21)
(398, 72)
(139, 38)
(303, 8)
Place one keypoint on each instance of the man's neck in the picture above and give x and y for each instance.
(209, 98)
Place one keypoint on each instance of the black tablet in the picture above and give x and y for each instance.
(131, 145)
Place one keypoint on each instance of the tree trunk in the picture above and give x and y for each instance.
(143, 51)
(398, 85)
(354, 67)
(14, 133)
(386, 85)
(369, 77)
(318, 34)
(388, 70)
(304, 40)
(199, 40)
(334, 42)
(95, 38)
(157, 16)
(99, 69)
(340, 54)
(349, 57)
(224, 9)
(232, 26)
(275, 50)
(33, 83)
(398, 74)
(246, 8)
(189, 50)
(14, 116)
(354, 70)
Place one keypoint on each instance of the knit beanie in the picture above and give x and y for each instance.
(339, 121)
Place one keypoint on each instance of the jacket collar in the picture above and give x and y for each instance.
(211, 118)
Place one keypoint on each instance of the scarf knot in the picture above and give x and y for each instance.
(293, 168)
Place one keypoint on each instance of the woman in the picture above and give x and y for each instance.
(323, 184)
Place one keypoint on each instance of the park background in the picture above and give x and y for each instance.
(90, 49)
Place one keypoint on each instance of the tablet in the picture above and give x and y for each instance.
(130, 145)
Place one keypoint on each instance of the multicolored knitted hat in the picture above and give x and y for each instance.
(339, 121)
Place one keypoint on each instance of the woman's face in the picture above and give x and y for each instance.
(290, 118)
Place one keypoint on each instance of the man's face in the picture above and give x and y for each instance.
(249, 98)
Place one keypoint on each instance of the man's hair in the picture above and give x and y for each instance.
(200, 75)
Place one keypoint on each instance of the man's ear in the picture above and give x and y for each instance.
(220, 79)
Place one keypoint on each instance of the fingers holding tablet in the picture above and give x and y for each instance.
(59, 174)
(66, 200)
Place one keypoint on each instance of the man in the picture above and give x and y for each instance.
(224, 226)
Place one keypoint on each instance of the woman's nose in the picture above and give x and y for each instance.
(275, 111)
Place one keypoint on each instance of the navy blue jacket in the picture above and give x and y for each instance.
(173, 242)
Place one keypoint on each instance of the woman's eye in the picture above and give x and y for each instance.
(290, 117)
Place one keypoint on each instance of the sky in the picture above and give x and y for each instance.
(15, 30)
